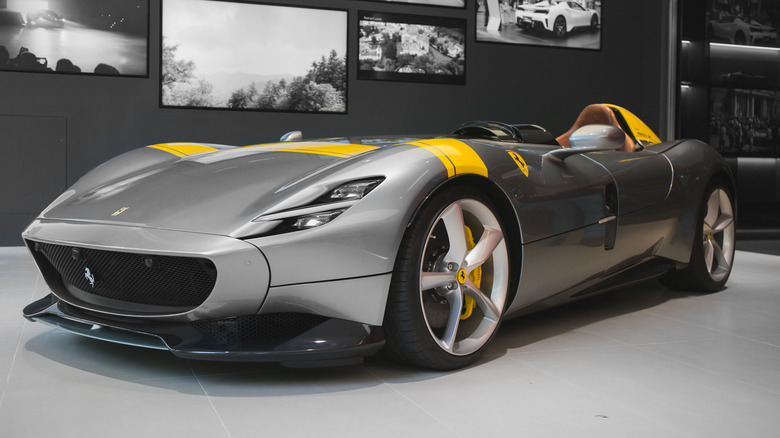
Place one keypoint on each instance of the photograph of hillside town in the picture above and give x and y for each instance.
(401, 47)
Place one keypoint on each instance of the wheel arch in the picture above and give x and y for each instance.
(508, 215)
(565, 21)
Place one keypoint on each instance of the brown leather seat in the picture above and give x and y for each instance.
(591, 115)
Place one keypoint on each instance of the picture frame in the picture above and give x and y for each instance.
(461, 4)
(742, 24)
(89, 37)
(573, 24)
(745, 122)
(232, 55)
(411, 48)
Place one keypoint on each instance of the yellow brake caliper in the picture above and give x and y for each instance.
(475, 277)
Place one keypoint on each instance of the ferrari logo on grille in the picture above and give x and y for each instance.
(89, 276)
(120, 211)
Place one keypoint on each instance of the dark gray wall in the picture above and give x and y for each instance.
(105, 116)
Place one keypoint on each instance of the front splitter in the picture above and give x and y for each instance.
(329, 343)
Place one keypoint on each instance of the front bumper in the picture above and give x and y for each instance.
(299, 340)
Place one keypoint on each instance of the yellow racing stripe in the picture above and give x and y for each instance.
(343, 150)
(183, 149)
(638, 128)
(458, 157)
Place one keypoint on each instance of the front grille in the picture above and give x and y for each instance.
(256, 330)
(135, 278)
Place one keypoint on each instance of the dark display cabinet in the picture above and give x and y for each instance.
(729, 71)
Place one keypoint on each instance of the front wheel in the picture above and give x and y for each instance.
(449, 284)
(713, 249)
(559, 27)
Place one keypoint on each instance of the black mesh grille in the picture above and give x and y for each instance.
(253, 330)
(135, 278)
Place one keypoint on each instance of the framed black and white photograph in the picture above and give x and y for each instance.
(745, 122)
(574, 24)
(99, 37)
(743, 22)
(447, 3)
(413, 48)
(253, 56)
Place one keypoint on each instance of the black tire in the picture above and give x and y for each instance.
(434, 272)
(594, 21)
(559, 27)
(712, 255)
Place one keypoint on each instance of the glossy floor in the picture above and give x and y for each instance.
(644, 362)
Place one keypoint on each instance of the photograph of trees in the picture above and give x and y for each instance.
(411, 48)
(249, 56)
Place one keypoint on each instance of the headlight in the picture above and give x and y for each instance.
(324, 209)
(317, 219)
(354, 190)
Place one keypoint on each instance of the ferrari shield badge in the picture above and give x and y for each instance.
(519, 161)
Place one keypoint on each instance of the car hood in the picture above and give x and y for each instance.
(217, 192)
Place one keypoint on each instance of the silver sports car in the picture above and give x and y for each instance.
(322, 252)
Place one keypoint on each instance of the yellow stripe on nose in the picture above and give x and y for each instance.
(183, 149)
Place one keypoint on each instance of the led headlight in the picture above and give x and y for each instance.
(323, 210)
(354, 190)
(317, 219)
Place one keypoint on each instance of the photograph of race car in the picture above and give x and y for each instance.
(743, 23)
(45, 18)
(322, 252)
(558, 17)
(735, 30)
(572, 24)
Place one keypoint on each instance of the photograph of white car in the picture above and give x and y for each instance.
(571, 24)
(753, 24)
(558, 17)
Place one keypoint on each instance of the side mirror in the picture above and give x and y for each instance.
(292, 136)
(590, 138)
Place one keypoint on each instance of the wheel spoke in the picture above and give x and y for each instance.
(484, 302)
(456, 233)
(484, 248)
(431, 280)
(713, 210)
(709, 254)
(447, 341)
(719, 256)
(722, 223)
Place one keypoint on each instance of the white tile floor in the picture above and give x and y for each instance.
(645, 362)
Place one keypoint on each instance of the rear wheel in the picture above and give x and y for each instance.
(713, 250)
(594, 21)
(449, 284)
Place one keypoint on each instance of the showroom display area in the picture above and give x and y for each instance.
(643, 362)
(107, 115)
